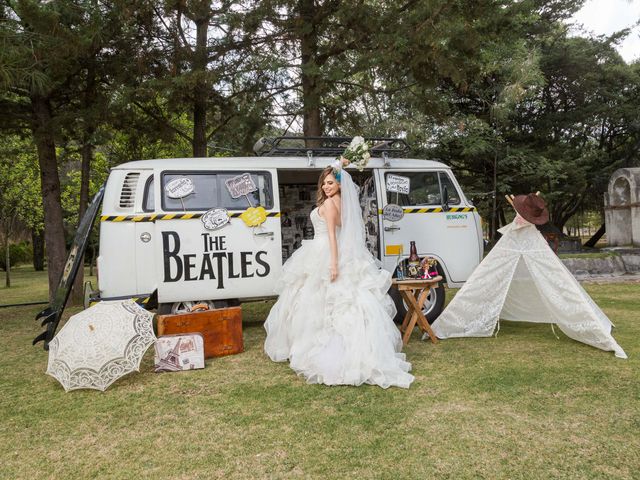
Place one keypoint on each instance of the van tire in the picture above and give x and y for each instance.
(433, 306)
(164, 308)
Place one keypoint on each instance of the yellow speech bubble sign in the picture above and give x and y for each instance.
(254, 216)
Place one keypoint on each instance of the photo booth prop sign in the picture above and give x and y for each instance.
(398, 184)
(240, 185)
(179, 188)
(254, 216)
(392, 212)
(215, 218)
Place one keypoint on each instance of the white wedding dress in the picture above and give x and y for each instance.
(341, 332)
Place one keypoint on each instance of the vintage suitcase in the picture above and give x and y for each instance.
(179, 352)
(221, 329)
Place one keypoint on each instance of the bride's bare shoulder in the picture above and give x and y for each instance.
(336, 201)
(333, 210)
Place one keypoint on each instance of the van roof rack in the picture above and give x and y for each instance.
(325, 146)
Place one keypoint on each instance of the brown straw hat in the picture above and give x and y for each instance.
(532, 208)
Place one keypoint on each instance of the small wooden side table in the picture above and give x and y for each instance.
(414, 292)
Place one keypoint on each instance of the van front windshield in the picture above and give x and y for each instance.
(425, 188)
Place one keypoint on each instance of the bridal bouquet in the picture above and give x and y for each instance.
(357, 153)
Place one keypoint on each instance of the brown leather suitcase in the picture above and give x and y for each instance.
(220, 328)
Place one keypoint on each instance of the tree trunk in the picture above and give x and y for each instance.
(591, 243)
(7, 258)
(502, 217)
(37, 240)
(50, 185)
(89, 128)
(200, 91)
(8, 228)
(7, 265)
(494, 206)
(310, 77)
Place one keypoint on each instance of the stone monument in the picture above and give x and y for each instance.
(622, 208)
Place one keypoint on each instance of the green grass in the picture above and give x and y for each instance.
(520, 406)
(588, 255)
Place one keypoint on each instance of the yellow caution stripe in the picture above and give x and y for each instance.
(435, 210)
(168, 216)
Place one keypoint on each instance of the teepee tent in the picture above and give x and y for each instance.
(521, 279)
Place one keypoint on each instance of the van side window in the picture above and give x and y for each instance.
(148, 200)
(210, 191)
(424, 189)
(262, 196)
(454, 196)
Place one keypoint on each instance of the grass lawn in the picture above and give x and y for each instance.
(588, 255)
(520, 406)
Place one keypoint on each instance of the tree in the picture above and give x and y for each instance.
(583, 122)
(49, 59)
(19, 191)
(203, 63)
(570, 127)
(37, 59)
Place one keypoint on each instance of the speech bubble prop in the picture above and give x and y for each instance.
(179, 187)
(392, 212)
(215, 218)
(254, 216)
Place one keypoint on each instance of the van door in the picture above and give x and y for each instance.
(122, 254)
(146, 280)
(450, 236)
(207, 254)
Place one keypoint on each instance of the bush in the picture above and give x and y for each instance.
(20, 253)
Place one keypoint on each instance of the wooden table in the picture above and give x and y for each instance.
(414, 292)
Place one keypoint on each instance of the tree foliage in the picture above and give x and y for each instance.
(497, 89)
(20, 196)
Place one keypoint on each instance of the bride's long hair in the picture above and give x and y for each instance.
(321, 197)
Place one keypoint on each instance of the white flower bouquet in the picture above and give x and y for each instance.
(357, 153)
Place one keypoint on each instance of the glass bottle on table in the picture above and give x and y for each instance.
(414, 260)
(400, 265)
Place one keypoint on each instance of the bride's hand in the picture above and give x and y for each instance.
(333, 270)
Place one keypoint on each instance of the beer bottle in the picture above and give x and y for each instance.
(414, 260)
(400, 265)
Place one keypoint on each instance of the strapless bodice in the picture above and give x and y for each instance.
(319, 223)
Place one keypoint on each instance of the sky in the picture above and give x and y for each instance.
(603, 17)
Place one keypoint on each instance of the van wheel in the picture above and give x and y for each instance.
(433, 305)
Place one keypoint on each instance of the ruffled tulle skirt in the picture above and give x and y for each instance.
(336, 333)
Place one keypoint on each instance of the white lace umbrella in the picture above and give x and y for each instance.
(100, 344)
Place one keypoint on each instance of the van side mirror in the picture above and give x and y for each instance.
(445, 199)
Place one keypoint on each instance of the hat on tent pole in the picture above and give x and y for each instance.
(532, 208)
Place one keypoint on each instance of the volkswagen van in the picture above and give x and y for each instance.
(217, 230)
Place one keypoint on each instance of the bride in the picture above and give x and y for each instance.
(333, 318)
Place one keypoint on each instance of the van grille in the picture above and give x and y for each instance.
(128, 194)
